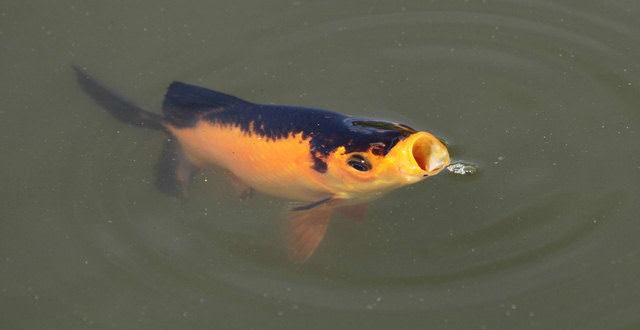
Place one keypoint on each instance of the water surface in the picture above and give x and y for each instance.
(544, 96)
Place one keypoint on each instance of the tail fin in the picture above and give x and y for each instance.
(117, 105)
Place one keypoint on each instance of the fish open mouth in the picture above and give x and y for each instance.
(421, 150)
(430, 155)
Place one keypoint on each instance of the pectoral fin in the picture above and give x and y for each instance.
(306, 228)
(357, 212)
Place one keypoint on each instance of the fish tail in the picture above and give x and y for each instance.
(173, 171)
(117, 105)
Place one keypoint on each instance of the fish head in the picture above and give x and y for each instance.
(372, 172)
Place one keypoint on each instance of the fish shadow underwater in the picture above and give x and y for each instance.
(334, 163)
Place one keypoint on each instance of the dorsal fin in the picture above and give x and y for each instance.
(184, 103)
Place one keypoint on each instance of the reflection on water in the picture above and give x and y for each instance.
(542, 97)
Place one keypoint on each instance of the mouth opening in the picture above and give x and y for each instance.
(421, 151)
(430, 155)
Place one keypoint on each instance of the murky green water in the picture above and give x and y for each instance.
(544, 96)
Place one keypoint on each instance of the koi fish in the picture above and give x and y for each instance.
(331, 161)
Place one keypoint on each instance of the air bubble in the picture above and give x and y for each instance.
(462, 168)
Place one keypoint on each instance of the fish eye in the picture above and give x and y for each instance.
(359, 163)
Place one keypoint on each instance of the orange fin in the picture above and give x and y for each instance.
(306, 229)
(356, 212)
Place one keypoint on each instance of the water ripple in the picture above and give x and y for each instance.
(215, 245)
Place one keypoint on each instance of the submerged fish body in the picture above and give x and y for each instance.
(332, 161)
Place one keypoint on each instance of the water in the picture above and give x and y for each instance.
(543, 96)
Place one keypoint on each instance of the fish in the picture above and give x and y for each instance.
(326, 161)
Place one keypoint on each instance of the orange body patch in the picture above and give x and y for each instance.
(281, 167)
